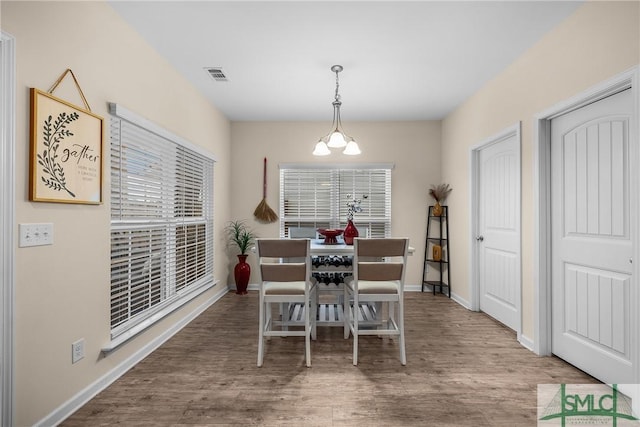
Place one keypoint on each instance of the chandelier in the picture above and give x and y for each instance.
(337, 137)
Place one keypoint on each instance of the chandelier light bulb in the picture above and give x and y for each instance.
(337, 140)
(321, 149)
(352, 149)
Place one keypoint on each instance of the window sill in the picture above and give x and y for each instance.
(142, 326)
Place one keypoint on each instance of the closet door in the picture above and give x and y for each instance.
(591, 239)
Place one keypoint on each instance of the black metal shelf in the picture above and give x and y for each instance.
(441, 240)
(435, 283)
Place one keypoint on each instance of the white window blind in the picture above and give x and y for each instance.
(316, 196)
(161, 221)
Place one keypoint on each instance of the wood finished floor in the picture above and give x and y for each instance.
(463, 369)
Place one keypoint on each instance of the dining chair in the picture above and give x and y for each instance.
(298, 233)
(379, 267)
(285, 266)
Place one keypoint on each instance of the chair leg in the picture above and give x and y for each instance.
(403, 353)
(314, 315)
(356, 330)
(346, 311)
(307, 331)
(268, 319)
(261, 332)
(355, 346)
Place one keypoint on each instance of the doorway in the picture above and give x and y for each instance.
(496, 269)
(563, 285)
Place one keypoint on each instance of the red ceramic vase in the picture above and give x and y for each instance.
(241, 273)
(350, 231)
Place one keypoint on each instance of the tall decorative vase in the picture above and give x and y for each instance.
(241, 272)
(350, 231)
(437, 209)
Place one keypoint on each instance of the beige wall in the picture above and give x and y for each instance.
(600, 40)
(414, 148)
(62, 291)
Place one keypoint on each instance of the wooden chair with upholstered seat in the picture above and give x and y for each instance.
(378, 277)
(285, 266)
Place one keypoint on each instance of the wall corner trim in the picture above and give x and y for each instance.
(7, 223)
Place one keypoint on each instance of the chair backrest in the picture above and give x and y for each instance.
(302, 233)
(380, 259)
(284, 260)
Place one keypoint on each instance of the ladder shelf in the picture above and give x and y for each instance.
(436, 253)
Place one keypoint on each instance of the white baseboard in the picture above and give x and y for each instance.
(76, 402)
(250, 287)
(526, 342)
(463, 302)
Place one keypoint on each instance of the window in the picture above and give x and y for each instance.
(316, 196)
(161, 222)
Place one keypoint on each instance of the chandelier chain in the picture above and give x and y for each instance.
(337, 97)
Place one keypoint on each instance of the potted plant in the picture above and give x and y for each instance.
(242, 237)
(439, 193)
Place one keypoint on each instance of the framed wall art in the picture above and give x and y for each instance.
(66, 151)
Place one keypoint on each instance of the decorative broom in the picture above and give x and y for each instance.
(263, 212)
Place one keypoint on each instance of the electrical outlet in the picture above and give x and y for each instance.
(36, 234)
(77, 350)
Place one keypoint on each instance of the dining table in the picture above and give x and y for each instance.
(318, 247)
(327, 269)
(330, 277)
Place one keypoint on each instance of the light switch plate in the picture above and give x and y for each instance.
(36, 234)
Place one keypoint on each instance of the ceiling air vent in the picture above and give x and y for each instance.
(217, 74)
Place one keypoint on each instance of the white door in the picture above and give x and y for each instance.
(591, 241)
(499, 229)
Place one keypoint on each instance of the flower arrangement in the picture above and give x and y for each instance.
(354, 205)
(440, 192)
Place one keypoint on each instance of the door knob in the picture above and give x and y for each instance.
(480, 238)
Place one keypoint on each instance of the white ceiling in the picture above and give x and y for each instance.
(414, 60)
